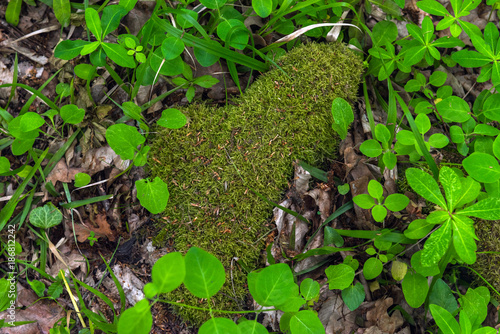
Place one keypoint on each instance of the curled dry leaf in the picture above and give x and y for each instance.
(103, 229)
(378, 317)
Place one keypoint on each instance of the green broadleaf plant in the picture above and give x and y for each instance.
(375, 201)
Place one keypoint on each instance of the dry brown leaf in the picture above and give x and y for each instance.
(104, 229)
(378, 316)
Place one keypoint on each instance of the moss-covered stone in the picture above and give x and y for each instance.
(211, 164)
(487, 265)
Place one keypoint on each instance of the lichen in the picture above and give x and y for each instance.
(212, 164)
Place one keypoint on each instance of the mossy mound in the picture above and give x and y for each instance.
(280, 118)
(487, 265)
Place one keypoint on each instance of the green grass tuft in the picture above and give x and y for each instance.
(277, 120)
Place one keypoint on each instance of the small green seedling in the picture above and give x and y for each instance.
(372, 147)
(374, 200)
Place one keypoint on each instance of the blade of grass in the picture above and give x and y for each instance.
(35, 92)
(123, 301)
(210, 46)
(8, 209)
(14, 80)
(77, 204)
(418, 137)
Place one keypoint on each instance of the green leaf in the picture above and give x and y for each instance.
(418, 229)
(423, 123)
(89, 48)
(168, 67)
(425, 186)
(213, 4)
(491, 107)
(406, 137)
(309, 289)
(396, 202)
(68, 49)
(371, 148)
(454, 109)
(375, 189)
(364, 201)
(205, 58)
(85, 71)
(384, 32)
(496, 147)
(132, 110)
(379, 213)
(482, 167)
(412, 86)
(38, 287)
(4, 165)
(442, 295)
(153, 195)
(172, 47)
(342, 116)
(30, 121)
(13, 11)
(118, 54)
(372, 268)
(414, 55)
(331, 237)
(239, 33)
(124, 140)
(470, 191)
(475, 306)
(463, 238)
(82, 179)
(252, 327)
(62, 11)
(389, 160)
(339, 276)
(205, 81)
(444, 320)
(128, 4)
(415, 289)
(274, 285)
(172, 119)
(436, 246)
(206, 273)
(437, 78)
(432, 7)
(136, 320)
(46, 216)
(486, 130)
(416, 263)
(488, 209)
(451, 185)
(93, 22)
(71, 114)
(382, 134)
(353, 296)
(168, 272)
(468, 58)
(306, 322)
(263, 8)
(111, 17)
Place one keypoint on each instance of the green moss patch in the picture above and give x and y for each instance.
(486, 265)
(211, 164)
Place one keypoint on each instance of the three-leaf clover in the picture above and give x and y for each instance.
(375, 200)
